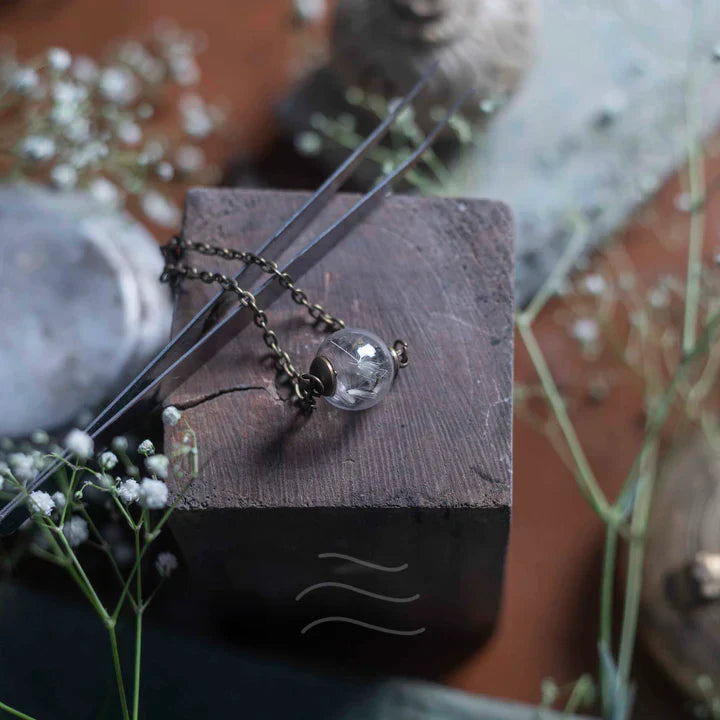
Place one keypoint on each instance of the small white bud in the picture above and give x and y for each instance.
(76, 530)
(129, 491)
(59, 59)
(171, 415)
(165, 564)
(41, 503)
(119, 444)
(79, 443)
(108, 460)
(59, 500)
(153, 493)
(146, 448)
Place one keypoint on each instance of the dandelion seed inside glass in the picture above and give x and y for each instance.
(364, 368)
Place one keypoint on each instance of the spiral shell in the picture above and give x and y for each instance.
(383, 46)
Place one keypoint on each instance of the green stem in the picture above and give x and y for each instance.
(606, 603)
(92, 595)
(696, 178)
(69, 496)
(63, 557)
(636, 556)
(138, 628)
(128, 582)
(559, 271)
(657, 419)
(14, 712)
(578, 694)
(585, 477)
(118, 672)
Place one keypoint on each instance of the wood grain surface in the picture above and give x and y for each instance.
(423, 479)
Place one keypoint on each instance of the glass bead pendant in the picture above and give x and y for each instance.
(356, 367)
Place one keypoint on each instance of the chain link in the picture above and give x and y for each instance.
(305, 386)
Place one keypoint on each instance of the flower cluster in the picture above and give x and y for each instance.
(78, 123)
(84, 507)
(91, 477)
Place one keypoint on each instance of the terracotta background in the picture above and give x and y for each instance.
(548, 623)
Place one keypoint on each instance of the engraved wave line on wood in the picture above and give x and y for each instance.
(364, 563)
(359, 591)
(369, 626)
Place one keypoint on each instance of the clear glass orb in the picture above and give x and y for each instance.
(363, 365)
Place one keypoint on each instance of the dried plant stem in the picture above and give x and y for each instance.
(636, 556)
(696, 180)
(606, 599)
(584, 475)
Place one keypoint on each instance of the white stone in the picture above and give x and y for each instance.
(83, 307)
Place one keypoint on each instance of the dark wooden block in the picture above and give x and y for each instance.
(422, 480)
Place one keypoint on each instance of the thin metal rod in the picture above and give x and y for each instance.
(274, 246)
(228, 327)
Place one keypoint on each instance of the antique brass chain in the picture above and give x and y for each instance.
(306, 387)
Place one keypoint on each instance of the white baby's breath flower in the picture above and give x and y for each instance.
(153, 493)
(119, 444)
(59, 59)
(159, 209)
(158, 465)
(118, 85)
(63, 176)
(37, 147)
(69, 93)
(64, 114)
(659, 297)
(165, 171)
(308, 143)
(76, 530)
(189, 158)
(105, 192)
(77, 130)
(586, 330)
(90, 154)
(146, 448)
(166, 563)
(594, 284)
(310, 10)
(171, 415)
(184, 69)
(40, 437)
(108, 460)
(41, 503)
(84, 69)
(23, 466)
(79, 443)
(59, 499)
(129, 133)
(24, 80)
(105, 480)
(197, 119)
(129, 491)
(145, 111)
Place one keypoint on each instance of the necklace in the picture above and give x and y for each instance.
(353, 369)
